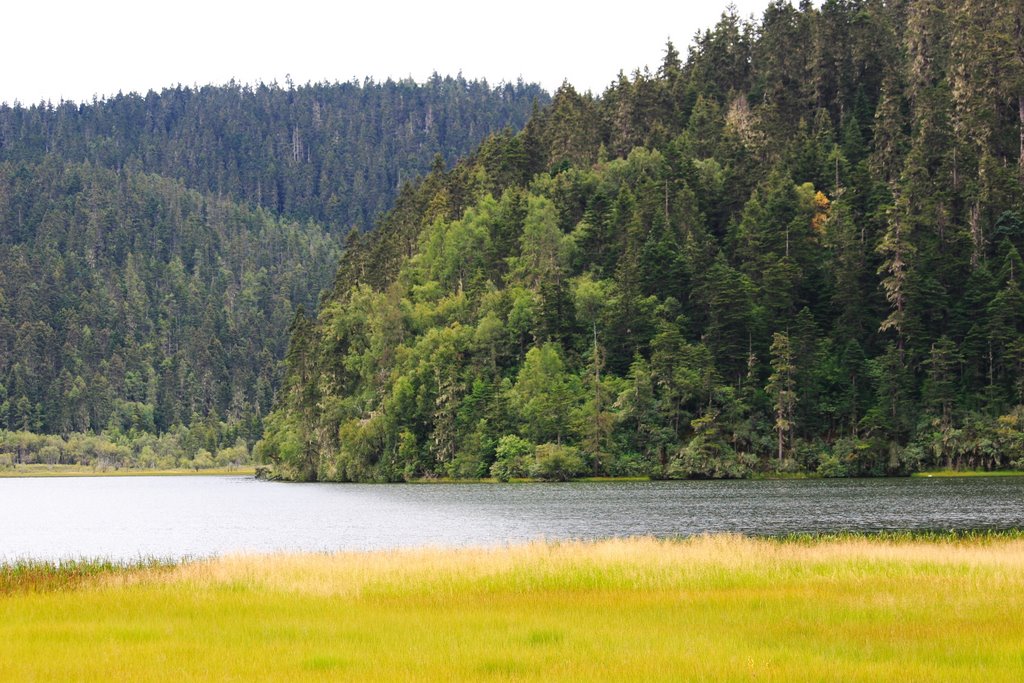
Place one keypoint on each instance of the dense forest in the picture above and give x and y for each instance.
(797, 249)
(130, 301)
(334, 153)
(153, 250)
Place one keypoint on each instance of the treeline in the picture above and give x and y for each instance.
(203, 446)
(798, 249)
(335, 153)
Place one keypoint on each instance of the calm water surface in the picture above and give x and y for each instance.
(132, 517)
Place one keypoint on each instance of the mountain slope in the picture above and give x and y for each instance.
(154, 250)
(335, 153)
(127, 300)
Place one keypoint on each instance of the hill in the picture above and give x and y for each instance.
(797, 250)
(154, 249)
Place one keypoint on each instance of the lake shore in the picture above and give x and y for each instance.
(41, 470)
(713, 607)
(969, 473)
(37, 470)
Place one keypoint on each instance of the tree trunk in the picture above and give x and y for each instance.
(781, 443)
(1020, 160)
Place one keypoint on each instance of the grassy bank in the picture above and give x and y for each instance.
(713, 608)
(970, 473)
(37, 470)
(46, 577)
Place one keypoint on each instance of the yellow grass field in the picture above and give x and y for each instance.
(711, 608)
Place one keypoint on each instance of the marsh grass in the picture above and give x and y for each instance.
(27, 576)
(939, 607)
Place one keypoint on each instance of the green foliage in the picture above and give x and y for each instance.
(203, 446)
(513, 458)
(556, 462)
(544, 394)
(708, 455)
(335, 153)
(797, 250)
(153, 248)
(139, 305)
(831, 467)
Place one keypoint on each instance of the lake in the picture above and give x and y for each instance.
(171, 517)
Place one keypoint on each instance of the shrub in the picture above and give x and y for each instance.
(628, 465)
(706, 458)
(203, 460)
(512, 457)
(831, 466)
(553, 462)
(466, 465)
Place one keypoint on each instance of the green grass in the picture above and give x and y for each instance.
(970, 473)
(850, 608)
(39, 470)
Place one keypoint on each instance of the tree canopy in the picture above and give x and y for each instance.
(797, 249)
(154, 249)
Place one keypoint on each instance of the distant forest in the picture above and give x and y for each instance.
(797, 248)
(154, 249)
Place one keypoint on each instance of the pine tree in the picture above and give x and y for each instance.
(782, 389)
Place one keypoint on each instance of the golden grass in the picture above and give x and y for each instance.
(710, 608)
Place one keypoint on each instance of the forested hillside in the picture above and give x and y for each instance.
(796, 249)
(128, 301)
(335, 153)
(154, 250)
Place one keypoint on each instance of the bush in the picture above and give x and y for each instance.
(628, 465)
(831, 466)
(466, 465)
(553, 462)
(512, 458)
(706, 458)
(203, 460)
(233, 456)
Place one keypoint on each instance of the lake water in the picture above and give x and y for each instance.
(133, 517)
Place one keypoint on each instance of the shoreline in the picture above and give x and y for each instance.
(38, 470)
(41, 471)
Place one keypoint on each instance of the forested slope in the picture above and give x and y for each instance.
(796, 249)
(336, 153)
(128, 301)
(154, 249)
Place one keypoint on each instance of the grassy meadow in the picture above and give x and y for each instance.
(708, 608)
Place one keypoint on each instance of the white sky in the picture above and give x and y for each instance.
(72, 50)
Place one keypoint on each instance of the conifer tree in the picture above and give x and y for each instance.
(782, 389)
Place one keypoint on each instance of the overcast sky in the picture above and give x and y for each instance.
(73, 50)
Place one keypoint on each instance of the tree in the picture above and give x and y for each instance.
(988, 43)
(591, 297)
(896, 249)
(940, 387)
(544, 395)
(782, 388)
(731, 314)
